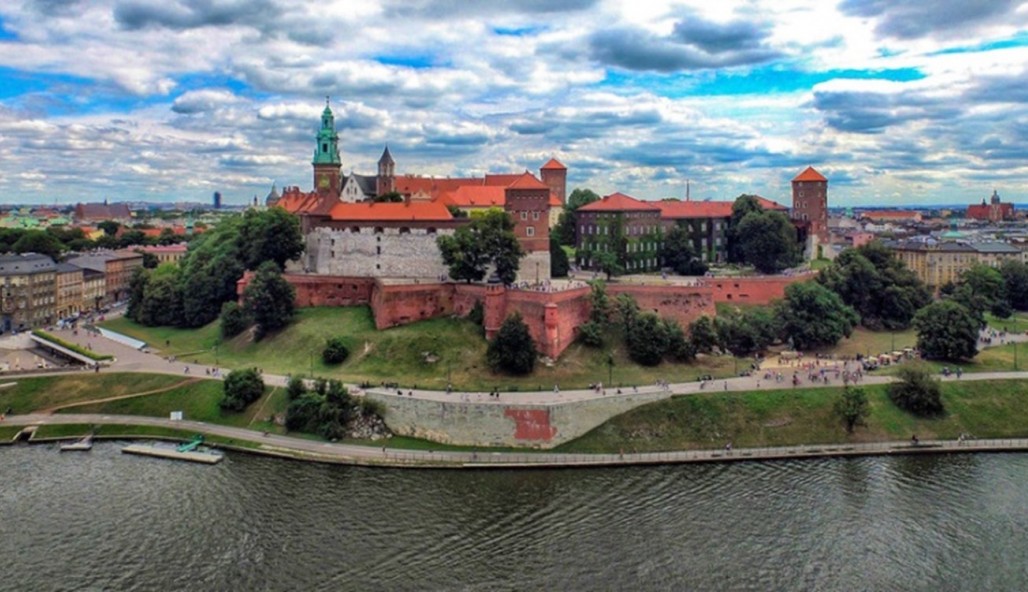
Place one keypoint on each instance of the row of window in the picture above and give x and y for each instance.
(524, 215)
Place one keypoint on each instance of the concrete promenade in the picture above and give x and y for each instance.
(327, 452)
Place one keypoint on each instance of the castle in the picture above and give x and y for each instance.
(353, 226)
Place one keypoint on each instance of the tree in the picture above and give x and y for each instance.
(335, 351)
(647, 339)
(295, 388)
(877, 285)
(150, 261)
(813, 316)
(1015, 279)
(137, 289)
(210, 271)
(748, 332)
(744, 204)
(559, 265)
(234, 320)
(680, 348)
(132, 237)
(39, 241)
(917, 391)
(768, 241)
(852, 407)
(162, 297)
(391, 197)
(512, 350)
(565, 232)
(487, 240)
(703, 334)
(110, 227)
(946, 330)
(269, 299)
(982, 288)
(626, 310)
(269, 235)
(241, 387)
(599, 303)
(607, 262)
(677, 253)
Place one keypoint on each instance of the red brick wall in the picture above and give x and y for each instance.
(319, 290)
(684, 304)
(401, 304)
(752, 290)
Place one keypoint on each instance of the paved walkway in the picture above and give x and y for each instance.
(284, 446)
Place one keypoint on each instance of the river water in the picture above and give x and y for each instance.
(106, 521)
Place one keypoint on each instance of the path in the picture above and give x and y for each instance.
(163, 389)
(367, 455)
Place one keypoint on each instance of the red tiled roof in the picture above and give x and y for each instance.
(695, 209)
(391, 211)
(809, 174)
(618, 202)
(177, 248)
(500, 180)
(554, 164)
(894, 214)
(471, 196)
(297, 202)
(528, 181)
(767, 204)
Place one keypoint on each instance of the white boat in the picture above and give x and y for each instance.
(86, 443)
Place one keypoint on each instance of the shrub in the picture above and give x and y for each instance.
(477, 314)
(234, 320)
(335, 351)
(917, 392)
(241, 387)
(591, 334)
(512, 350)
(647, 339)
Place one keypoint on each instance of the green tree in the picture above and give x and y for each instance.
(647, 339)
(600, 308)
(487, 240)
(744, 204)
(210, 271)
(391, 197)
(703, 334)
(335, 351)
(269, 235)
(559, 265)
(241, 387)
(566, 230)
(39, 241)
(877, 285)
(747, 332)
(917, 391)
(295, 388)
(150, 261)
(512, 350)
(234, 320)
(591, 333)
(852, 407)
(982, 288)
(946, 330)
(1015, 280)
(110, 227)
(269, 299)
(132, 237)
(768, 241)
(677, 253)
(627, 310)
(608, 263)
(137, 289)
(680, 348)
(813, 316)
(162, 297)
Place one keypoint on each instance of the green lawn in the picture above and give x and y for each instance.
(819, 264)
(992, 359)
(197, 401)
(43, 392)
(1018, 323)
(778, 418)
(8, 432)
(71, 431)
(867, 342)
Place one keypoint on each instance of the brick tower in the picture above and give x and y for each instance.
(555, 176)
(810, 202)
(527, 200)
(386, 181)
(327, 163)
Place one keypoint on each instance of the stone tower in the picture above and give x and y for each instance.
(810, 202)
(555, 176)
(326, 161)
(386, 182)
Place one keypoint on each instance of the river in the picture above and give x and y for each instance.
(106, 521)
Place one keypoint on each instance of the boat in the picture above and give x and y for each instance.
(85, 443)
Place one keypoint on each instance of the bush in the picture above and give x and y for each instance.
(296, 388)
(241, 388)
(234, 320)
(477, 314)
(852, 407)
(647, 339)
(917, 392)
(512, 350)
(591, 334)
(335, 351)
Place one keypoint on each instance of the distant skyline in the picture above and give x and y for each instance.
(898, 102)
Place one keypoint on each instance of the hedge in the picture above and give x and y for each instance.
(72, 346)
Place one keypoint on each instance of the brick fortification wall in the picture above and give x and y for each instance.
(552, 317)
(752, 290)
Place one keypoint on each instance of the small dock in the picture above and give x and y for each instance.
(83, 445)
(191, 455)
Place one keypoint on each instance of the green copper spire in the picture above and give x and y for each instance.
(327, 149)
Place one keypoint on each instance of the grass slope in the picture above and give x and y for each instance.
(42, 392)
(804, 416)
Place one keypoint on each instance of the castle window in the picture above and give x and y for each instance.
(535, 215)
(530, 231)
(379, 249)
(356, 230)
(430, 230)
(378, 230)
(404, 230)
(524, 215)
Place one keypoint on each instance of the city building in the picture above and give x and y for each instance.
(166, 253)
(623, 225)
(994, 211)
(117, 268)
(69, 290)
(94, 212)
(891, 216)
(810, 203)
(938, 262)
(27, 291)
(706, 223)
(94, 289)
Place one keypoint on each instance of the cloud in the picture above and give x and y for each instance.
(450, 8)
(189, 14)
(911, 19)
(201, 101)
(695, 43)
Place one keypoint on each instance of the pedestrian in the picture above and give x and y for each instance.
(726, 385)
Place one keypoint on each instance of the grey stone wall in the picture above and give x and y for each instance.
(387, 254)
(483, 422)
(534, 265)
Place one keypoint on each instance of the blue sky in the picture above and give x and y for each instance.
(897, 103)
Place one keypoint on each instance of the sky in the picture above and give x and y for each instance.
(897, 102)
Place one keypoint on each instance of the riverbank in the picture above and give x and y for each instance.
(243, 440)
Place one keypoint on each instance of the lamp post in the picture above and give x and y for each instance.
(610, 368)
(312, 363)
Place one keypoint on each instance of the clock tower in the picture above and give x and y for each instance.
(326, 156)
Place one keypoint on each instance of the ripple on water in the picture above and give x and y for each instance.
(110, 521)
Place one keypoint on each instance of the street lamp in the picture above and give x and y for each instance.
(610, 368)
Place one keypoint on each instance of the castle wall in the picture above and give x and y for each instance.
(400, 304)
(387, 253)
(752, 290)
(684, 304)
